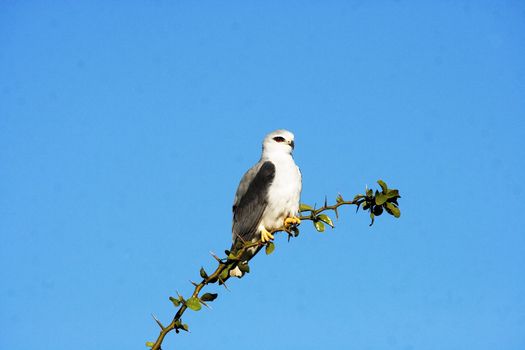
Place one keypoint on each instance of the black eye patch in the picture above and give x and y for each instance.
(278, 139)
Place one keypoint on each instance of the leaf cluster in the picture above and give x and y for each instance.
(378, 202)
(375, 202)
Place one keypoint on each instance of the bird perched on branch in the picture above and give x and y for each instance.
(267, 198)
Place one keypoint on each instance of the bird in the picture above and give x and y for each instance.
(268, 195)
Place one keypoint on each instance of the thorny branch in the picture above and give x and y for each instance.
(374, 202)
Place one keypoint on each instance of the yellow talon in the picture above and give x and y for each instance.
(266, 236)
(291, 221)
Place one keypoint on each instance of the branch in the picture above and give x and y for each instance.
(374, 202)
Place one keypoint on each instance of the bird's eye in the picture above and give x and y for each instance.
(278, 139)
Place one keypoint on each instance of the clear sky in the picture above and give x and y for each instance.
(126, 126)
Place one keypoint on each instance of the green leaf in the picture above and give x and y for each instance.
(393, 210)
(185, 327)
(224, 274)
(381, 198)
(305, 207)
(270, 247)
(383, 186)
(175, 302)
(150, 344)
(370, 192)
(339, 198)
(233, 257)
(193, 303)
(203, 273)
(392, 194)
(326, 219)
(357, 197)
(371, 217)
(209, 297)
(319, 226)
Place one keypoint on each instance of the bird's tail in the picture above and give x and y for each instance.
(236, 271)
(246, 256)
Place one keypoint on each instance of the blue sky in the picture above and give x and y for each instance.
(125, 128)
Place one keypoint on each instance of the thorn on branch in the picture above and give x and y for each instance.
(181, 298)
(215, 257)
(224, 284)
(205, 304)
(158, 322)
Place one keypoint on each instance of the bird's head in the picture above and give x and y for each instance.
(278, 142)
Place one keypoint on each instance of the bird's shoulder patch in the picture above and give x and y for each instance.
(263, 179)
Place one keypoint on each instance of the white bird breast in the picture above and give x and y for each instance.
(284, 193)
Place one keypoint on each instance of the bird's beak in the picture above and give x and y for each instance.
(291, 143)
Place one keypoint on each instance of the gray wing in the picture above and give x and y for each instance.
(251, 200)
